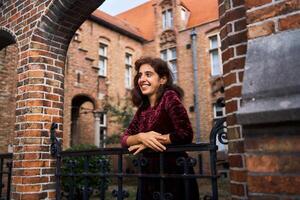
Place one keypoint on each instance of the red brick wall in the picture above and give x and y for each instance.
(234, 42)
(43, 30)
(272, 156)
(8, 77)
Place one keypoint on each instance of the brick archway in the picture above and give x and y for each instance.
(8, 75)
(7, 37)
(82, 119)
(43, 46)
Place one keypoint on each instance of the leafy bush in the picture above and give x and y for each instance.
(122, 115)
(73, 183)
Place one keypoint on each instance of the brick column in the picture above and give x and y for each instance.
(233, 45)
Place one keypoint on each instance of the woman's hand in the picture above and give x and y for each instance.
(152, 140)
(136, 148)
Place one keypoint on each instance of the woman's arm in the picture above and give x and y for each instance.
(150, 139)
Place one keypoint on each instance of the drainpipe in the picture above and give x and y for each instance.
(196, 93)
(97, 128)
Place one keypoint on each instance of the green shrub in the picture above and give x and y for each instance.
(121, 115)
(76, 166)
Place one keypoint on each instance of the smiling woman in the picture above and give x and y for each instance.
(149, 82)
(160, 119)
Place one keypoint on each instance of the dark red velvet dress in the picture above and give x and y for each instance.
(167, 117)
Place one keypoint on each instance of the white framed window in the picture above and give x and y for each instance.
(183, 14)
(102, 129)
(215, 57)
(170, 56)
(102, 65)
(219, 112)
(167, 19)
(128, 70)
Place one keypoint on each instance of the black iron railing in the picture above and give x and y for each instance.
(5, 175)
(80, 173)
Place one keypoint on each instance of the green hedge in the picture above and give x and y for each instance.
(75, 165)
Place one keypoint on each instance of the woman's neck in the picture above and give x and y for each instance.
(152, 99)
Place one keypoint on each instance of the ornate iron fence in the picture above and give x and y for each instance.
(5, 175)
(95, 172)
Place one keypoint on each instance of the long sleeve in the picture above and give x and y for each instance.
(131, 130)
(183, 131)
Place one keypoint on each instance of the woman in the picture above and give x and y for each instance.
(160, 119)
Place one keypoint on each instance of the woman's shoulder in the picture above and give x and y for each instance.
(170, 95)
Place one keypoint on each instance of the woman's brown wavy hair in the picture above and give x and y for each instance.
(162, 69)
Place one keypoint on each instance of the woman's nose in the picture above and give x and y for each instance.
(142, 78)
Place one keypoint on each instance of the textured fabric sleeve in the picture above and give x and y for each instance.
(183, 130)
(131, 130)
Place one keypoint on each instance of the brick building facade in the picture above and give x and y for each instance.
(263, 150)
(164, 32)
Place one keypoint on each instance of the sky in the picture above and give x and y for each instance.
(114, 7)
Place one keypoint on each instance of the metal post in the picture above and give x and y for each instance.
(120, 178)
(196, 93)
(97, 128)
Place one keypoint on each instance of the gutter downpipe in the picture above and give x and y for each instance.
(196, 93)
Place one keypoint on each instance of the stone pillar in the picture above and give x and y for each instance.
(270, 113)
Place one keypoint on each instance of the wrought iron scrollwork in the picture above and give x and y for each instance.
(55, 147)
(219, 132)
(71, 164)
(140, 162)
(125, 194)
(102, 163)
(9, 164)
(166, 196)
(189, 161)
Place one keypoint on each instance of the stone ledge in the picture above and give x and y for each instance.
(271, 87)
(270, 110)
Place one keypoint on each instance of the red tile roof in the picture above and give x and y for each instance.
(117, 24)
(142, 17)
(202, 11)
(140, 21)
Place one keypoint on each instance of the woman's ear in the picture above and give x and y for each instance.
(163, 80)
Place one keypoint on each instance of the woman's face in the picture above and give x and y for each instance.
(149, 81)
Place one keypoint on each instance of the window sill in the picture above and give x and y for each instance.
(82, 49)
(102, 76)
